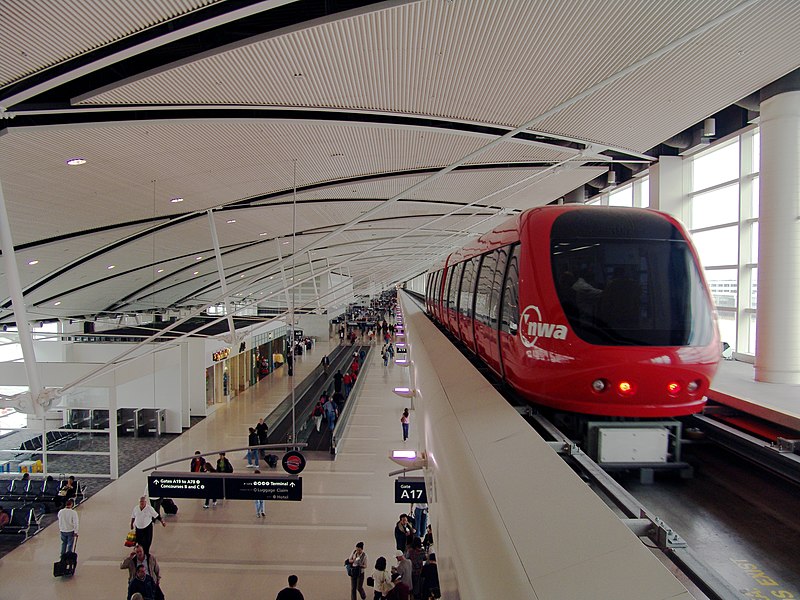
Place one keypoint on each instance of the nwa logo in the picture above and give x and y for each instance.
(533, 328)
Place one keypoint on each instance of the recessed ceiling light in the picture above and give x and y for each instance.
(286, 242)
(199, 258)
(240, 276)
(176, 200)
(231, 221)
(57, 303)
(72, 162)
(262, 234)
(270, 276)
(109, 267)
(196, 273)
(160, 271)
(33, 262)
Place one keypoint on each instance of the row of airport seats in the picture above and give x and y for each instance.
(55, 438)
(28, 500)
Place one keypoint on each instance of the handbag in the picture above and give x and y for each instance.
(371, 581)
(348, 567)
(130, 539)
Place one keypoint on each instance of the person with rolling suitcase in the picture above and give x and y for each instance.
(68, 526)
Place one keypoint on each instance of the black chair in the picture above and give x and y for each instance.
(19, 488)
(20, 523)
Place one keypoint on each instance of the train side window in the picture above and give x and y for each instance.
(497, 285)
(455, 280)
(483, 290)
(467, 291)
(509, 319)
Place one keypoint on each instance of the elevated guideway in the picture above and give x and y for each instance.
(501, 498)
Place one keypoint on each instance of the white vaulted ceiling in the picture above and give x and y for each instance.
(383, 135)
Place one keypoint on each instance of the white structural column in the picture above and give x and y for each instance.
(778, 333)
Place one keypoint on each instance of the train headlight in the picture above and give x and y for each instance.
(626, 388)
(599, 385)
(693, 386)
(674, 388)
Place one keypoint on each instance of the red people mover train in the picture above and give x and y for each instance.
(594, 310)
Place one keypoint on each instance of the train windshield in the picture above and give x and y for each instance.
(629, 281)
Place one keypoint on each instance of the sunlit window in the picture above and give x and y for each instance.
(716, 167)
(718, 246)
(720, 205)
(621, 197)
(718, 194)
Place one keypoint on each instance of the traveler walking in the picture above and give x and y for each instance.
(252, 453)
(382, 579)
(330, 413)
(358, 564)
(260, 502)
(198, 463)
(68, 526)
(142, 519)
(209, 469)
(138, 557)
(404, 422)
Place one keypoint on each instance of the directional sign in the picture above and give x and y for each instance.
(410, 489)
(247, 487)
(293, 462)
(184, 485)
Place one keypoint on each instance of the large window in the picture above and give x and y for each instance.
(723, 214)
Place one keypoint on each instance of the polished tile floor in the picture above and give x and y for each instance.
(226, 551)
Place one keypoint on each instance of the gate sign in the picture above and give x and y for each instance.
(255, 487)
(180, 485)
(410, 489)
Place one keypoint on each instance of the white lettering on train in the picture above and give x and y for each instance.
(533, 327)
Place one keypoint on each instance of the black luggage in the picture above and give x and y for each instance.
(66, 566)
(272, 460)
(169, 506)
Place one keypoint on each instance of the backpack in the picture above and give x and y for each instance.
(318, 410)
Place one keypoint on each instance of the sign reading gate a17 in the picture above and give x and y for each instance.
(410, 489)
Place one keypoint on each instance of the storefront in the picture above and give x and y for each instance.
(231, 374)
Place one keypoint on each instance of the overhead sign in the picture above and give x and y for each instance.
(293, 462)
(255, 487)
(401, 349)
(189, 485)
(410, 489)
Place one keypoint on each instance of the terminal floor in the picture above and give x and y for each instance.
(226, 551)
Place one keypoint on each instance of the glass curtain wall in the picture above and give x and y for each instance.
(723, 220)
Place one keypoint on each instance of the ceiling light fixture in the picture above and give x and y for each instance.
(176, 200)
(196, 273)
(160, 271)
(72, 162)
(199, 258)
(229, 221)
(57, 303)
(33, 262)
(109, 267)
(262, 234)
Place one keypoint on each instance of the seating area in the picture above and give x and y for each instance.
(55, 438)
(29, 500)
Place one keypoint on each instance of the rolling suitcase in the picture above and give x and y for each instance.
(66, 566)
(169, 506)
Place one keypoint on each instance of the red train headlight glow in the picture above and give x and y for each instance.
(674, 388)
(626, 388)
